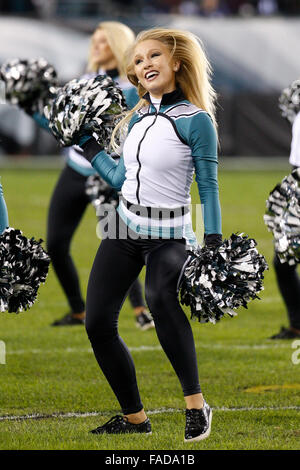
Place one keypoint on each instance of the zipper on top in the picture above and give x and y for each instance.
(138, 158)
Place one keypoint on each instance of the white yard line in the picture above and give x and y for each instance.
(216, 346)
(37, 416)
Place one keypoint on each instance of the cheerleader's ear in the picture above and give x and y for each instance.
(176, 66)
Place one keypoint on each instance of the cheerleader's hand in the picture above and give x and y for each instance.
(84, 140)
(213, 240)
(89, 146)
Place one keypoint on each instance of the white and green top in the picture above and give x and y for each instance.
(167, 142)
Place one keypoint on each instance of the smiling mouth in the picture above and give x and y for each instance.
(151, 75)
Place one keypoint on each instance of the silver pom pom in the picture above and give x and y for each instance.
(99, 192)
(86, 106)
(23, 267)
(29, 84)
(217, 281)
(283, 218)
(289, 101)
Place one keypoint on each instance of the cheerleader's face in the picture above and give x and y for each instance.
(154, 67)
(101, 52)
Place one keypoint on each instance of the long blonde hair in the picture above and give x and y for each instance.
(119, 37)
(193, 76)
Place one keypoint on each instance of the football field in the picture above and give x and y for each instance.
(52, 391)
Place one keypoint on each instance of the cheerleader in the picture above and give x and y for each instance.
(70, 199)
(287, 277)
(171, 134)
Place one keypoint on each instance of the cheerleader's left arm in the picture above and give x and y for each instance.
(204, 146)
(207, 181)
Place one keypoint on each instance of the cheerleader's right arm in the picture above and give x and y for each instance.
(111, 171)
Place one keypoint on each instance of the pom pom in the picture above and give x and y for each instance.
(23, 266)
(99, 192)
(282, 218)
(289, 101)
(30, 84)
(217, 281)
(86, 106)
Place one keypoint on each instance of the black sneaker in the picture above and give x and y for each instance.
(120, 425)
(285, 333)
(68, 320)
(144, 321)
(198, 423)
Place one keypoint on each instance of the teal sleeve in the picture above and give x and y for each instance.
(41, 121)
(111, 171)
(207, 181)
(3, 212)
(201, 136)
(131, 97)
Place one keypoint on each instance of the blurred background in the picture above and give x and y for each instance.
(253, 46)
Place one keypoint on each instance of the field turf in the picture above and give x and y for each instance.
(52, 391)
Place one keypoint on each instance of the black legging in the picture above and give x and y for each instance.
(67, 206)
(117, 264)
(289, 286)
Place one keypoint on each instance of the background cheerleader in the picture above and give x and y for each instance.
(287, 277)
(70, 199)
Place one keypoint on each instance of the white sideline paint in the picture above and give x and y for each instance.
(152, 348)
(149, 412)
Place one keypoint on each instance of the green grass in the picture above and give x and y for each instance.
(49, 371)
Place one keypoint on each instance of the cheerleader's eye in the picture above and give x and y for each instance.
(137, 61)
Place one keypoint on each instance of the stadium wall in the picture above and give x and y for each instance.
(252, 59)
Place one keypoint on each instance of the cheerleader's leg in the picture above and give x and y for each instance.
(116, 266)
(173, 328)
(67, 207)
(289, 286)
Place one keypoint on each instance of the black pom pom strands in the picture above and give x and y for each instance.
(289, 101)
(23, 267)
(283, 218)
(30, 84)
(86, 107)
(218, 280)
(99, 192)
